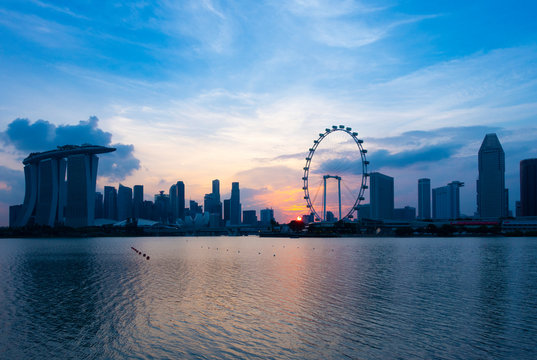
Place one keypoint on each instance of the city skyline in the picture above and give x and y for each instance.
(202, 90)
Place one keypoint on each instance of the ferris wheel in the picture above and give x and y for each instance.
(337, 155)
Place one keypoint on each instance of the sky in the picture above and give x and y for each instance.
(238, 90)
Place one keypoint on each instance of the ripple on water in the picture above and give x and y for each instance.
(357, 298)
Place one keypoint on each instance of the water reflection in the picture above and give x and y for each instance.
(269, 298)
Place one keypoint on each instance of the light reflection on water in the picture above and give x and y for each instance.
(249, 297)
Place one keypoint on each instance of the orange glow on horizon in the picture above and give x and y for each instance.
(298, 218)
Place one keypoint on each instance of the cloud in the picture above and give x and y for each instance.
(43, 135)
(11, 185)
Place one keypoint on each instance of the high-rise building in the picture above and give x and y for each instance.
(14, 213)
(227, 210)
(174, 205)
(180, 187)
(99, 209)
(110, 203)
(216, 190)
(364, 211)
(81, 181)
(249, 217)
(492, 196)
(138, 202)
(161, 207)
(211, 202)
(235, 205)
(124, 203)
(381, 196)
(528, 187)
(48, 198)
(194, 208)
(446, 201)
(266, 216)
(50, 188)
(424, 198)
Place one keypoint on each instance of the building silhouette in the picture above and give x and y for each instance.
(227, 210)
(492, 196)
(446, 201)
(138, 202)
(407, 213)
(161, 207)
(235, 205)
(266, 216)
(174, 205)
(211, 202)
(99, 206)
(194, 209)
(424, 198)
(124, 203)
(528, 187)
(180, 187)
(249, 217)
(381, 197)
(49, 199)
(110, 203)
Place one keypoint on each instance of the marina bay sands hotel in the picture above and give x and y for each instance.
(51, 199)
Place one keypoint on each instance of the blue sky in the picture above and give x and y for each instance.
(236, 90)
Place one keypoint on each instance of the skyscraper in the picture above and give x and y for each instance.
(227, 210)
(381, 196)
(162, 206)
(110, 203)
(180, 187)
(491, 192)
(138, 201)
(446, 201)
(81, 181)
(216, 190)
(424, 198)
(50, 188)
(211, 202)
(528, 187)
(124, 203)
(47, 193)
(174, 205)
(99, 209)
(235, 205)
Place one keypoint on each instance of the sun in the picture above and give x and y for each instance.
(298, 218)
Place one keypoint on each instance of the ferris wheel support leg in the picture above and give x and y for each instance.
(324, 200)
(339, 196)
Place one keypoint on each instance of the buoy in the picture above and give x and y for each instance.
(274, 255)
(239, 251)
(144, 255)
(147, 258)
(259, 253)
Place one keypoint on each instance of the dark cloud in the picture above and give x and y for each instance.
(415, 138)
(43, 135)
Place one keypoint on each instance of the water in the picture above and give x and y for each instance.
(229, 298)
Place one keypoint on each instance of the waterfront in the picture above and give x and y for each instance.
(250, 297)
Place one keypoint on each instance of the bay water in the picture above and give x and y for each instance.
(268, 298)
